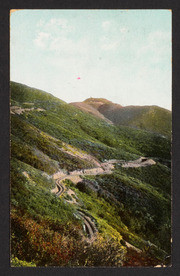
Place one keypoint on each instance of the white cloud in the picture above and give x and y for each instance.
(42, 39)
(68, 46)
(61, 44)
(123, 30)
(108, 44)
(111, 26)
(56, 25)
(40, 23)
(106, 25)
(159, 35)
(57, 22)
(156, 47)
(52, 35)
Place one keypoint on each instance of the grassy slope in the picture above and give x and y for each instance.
(144, 194)
(90, 109)
(150, 118)
(36, 143)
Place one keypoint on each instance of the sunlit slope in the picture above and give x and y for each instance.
(150, 118)
(90, 109)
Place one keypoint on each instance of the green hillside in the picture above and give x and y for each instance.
(131, 205)
(150, 118)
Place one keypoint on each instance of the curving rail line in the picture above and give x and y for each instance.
(60, 187)
(90, 227)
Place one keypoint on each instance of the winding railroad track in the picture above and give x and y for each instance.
(60, 187)
(90, 227)
(107, 167)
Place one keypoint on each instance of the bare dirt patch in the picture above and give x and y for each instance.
(19, 110)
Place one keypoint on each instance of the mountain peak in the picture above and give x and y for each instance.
(97, 100)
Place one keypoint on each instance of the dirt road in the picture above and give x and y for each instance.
(141, 162)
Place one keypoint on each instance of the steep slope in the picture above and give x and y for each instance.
(150, 118)
(90, 109)
(50, 137)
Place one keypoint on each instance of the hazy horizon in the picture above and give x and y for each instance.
(121, 55)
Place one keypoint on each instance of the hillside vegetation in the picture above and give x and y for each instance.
(90, 109)
(150, 118)
(131, 205)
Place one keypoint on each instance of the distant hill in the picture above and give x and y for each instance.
(151, 118)
(98, 102)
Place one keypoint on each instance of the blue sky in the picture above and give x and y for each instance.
(121, 55)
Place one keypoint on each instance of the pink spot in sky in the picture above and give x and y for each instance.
(78, 78)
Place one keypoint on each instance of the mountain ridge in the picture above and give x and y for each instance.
(149, 117)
